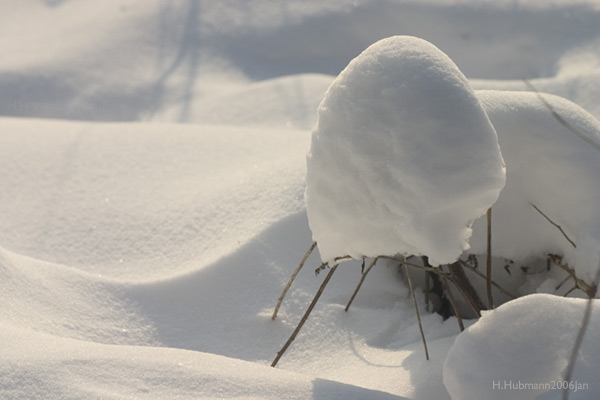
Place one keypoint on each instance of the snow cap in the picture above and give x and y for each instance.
(403, 157)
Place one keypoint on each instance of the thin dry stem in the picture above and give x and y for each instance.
(476, 271)
(289, 284)
(462, 283)
(412, 292)
(560, 119)
(563, 282)
(489, 259)
(579, 339)
(555, 224)
(362, 279)
(326, 264)
(450, 297)
(570, 290)
(305, 316)
(427, 277)
(416, 266)
(589, 290)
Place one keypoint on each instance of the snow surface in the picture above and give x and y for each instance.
(60, 368)
(403, 158)
(496, 355)
(548, 165)
(152, 166)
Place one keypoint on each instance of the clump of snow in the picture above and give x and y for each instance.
(527, 341)
(403, 158)
(551, 167)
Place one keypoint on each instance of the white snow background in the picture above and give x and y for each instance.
(152, 172)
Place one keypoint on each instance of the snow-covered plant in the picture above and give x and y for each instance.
(402, 161)
(406, 160)
(403, 158)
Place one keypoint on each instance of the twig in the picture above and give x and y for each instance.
(555, 224)
(560, 119)
(563, 281)
(570, 290)
(362, 279)
(427, 277)
(321, 268)
(305, 317)
(579, 339)
(489, 259)
(326, 264)
(412, 292)
(416, 266)
(462, 283)
(289, 284)
(476, 271)
(589, 290)
(450, 297)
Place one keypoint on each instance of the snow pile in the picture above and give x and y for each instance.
(525, 342)
(551, 167)
(403, 158)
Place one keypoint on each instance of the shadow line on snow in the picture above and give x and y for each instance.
(222, 308)
(324, 389)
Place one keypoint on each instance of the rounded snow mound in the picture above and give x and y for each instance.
(403, 157)
(520, 350)
(551, 167)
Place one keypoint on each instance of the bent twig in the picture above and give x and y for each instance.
(414, 299)
(488, 280)
(289, 284)
(305, 316)
(362, 279)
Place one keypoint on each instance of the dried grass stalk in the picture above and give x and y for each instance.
(289, 284)
(305, 316)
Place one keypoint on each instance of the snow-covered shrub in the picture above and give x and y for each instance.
(403, 158)
(406, 159)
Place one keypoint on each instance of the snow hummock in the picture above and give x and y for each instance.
(527, 341)
(57, 368)
(552, 167)
(403, 157)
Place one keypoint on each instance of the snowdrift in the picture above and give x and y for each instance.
(152, 178)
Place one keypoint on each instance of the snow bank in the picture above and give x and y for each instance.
(403, 158)
(526, 341)
(143, 201)
(194, 230)
(551, 167)
(224, 309)
(55, 368)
